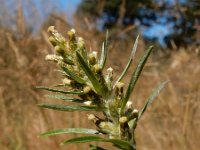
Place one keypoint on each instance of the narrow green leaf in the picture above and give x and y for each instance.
(60, 85)
(132, 124)
(68, 61)
(120, 143)
(64, 98)
(70, 107)
(70, 130)
(94, 147)
(89, 73)
(72, 75)
(129, 62)
(104, 52)
(135, 76)
(59, 91)
(83, 52)
(152, 97)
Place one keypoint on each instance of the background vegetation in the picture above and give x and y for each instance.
(171, 123)
(162, 21)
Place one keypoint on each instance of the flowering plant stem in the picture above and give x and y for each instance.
(90, 89)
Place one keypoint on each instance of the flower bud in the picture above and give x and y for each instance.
(135, 113)
(88, 103)
(119, 88)
(125, 133)
(103, 125)
(53, 58)
(72, 32)
(95, 119)
(106, 125)
(92, 57)
(109, 77)
(67, 81)
(110, 73)
(80, 43)
(52, 40)
(97, 68)
(129, 108)
(59, 50)
(87, 89)
(51, 29)
(129, 104)
(91, 117)
(123, 119)
(71, 35)
(120, 85)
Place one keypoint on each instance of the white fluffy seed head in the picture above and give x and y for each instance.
(80, 42)
(51, 29)
(120, 85)
(129, 104)
(123, 119)
(67, 81)
(91, 117)
(92, 57)
(52, 57)
(71, 34)
(94, 53)
(87, 89)
(88, 103)
(52, 40)
(73, 31)
(97, 68)
(135, 111)
(110, 70)
(110, 73)
(103, 125)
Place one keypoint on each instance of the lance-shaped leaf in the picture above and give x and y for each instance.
(135, 76)
(60, 85)
(129, 62)
(70, 130)
(91, 76)
(119, 143)
(71, 107)
(152, 98)
(132, 124)
(104, 52)
(68, 61)
(64, 98)
(60, 91)
(72, 75)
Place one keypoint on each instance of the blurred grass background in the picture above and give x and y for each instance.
(172, 122)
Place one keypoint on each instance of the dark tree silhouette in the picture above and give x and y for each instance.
(159, 21)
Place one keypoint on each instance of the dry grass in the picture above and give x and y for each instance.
(172, 122)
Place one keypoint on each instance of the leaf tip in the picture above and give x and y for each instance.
(37, 87)
(41, 135)
(40, 105)
(151, 47)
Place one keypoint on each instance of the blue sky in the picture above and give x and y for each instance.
(36, 11)
(69, 6)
